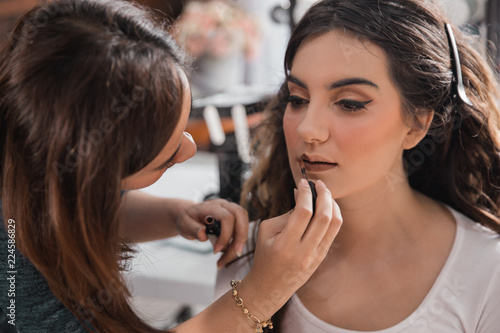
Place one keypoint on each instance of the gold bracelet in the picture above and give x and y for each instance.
(239, 302)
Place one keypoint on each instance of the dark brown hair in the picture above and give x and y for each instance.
(458, 161)
(90, 92)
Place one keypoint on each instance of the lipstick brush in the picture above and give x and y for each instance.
(311, 184)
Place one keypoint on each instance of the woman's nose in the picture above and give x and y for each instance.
(313, 127)
(187, 149)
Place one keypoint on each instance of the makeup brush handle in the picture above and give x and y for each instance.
(314, 194)
(213, 228)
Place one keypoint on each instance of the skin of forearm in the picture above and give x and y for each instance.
(224, 316)
(146, 218)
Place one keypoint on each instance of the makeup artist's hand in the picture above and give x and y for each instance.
(290, 247)
(234, 226)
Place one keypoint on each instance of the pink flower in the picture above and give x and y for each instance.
(218, 29)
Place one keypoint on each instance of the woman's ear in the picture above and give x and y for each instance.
(418, 130)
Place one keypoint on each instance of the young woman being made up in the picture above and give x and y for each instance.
(94, 100)
(408, 145)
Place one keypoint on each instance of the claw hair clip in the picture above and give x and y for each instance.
(458, 89)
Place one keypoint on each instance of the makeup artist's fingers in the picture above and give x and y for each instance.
(227, 256)
(290, 247)
(322, 216)
(189, 227)
(234, 224)
(240, 229)
(333, 228)
(227, 221)
(325, 224)
(192, 221)
(300, 217)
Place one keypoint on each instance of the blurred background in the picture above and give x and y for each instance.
(236, 48)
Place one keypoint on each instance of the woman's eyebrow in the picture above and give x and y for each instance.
(167, 162)
(336, 84)
(293, 79)
(352, 81)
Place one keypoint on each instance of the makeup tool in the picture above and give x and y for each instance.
(212, 228)
(311, 184)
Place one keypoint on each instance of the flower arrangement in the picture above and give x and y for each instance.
(216, 28)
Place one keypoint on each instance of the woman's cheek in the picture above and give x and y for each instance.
(290, 124)
(293, 142)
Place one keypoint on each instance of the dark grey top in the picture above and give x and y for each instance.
(36, 308)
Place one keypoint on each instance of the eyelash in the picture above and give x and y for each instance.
(168, 166)
(351, 105)
(348, 105)
(295, 101)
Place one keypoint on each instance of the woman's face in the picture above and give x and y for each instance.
(179, 148)
(344, 116)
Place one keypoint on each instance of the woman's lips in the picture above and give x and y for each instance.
(318, 166)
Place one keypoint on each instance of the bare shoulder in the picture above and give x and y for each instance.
(471, 237)
(437, 215)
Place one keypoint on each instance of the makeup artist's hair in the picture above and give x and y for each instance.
(90, 93)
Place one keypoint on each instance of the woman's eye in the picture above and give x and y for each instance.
(352, 105)
(296, 101)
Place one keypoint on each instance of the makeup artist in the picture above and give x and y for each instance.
(94, 101)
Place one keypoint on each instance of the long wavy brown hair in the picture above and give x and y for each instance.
(90, 92)
(458, 161)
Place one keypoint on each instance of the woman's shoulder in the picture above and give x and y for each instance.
(476, 234)
(477, 248)
(474, 273)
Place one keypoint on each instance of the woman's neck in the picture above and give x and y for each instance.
(382, 218)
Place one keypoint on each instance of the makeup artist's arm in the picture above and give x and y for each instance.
(289, 249)
(146, 218)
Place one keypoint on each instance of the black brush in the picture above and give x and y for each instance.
(212, 228)
(311, 184)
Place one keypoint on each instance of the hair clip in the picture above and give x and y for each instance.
(457, 85)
